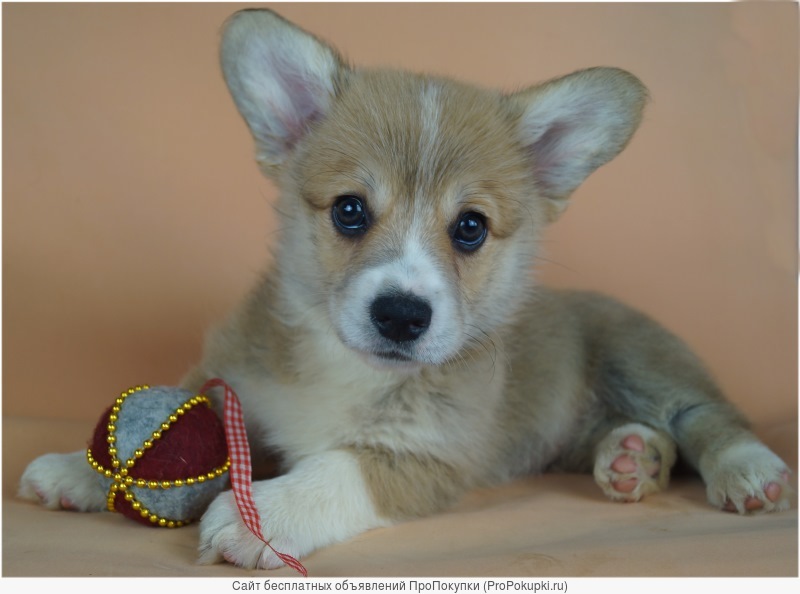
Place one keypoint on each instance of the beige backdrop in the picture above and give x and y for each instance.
(134, 216)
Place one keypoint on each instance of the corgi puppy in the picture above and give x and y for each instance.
(398, 352)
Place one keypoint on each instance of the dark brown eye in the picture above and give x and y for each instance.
(469, 232)
(349, 215)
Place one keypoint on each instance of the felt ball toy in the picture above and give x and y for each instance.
(160, 454)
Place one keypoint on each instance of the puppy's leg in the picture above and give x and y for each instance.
(646, 374)
(632, 461)
(63, 481)
(323, 499)
(741, 473)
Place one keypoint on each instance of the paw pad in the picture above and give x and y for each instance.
(633, 461)
(772, 491)
(633, 442)
(67, 504)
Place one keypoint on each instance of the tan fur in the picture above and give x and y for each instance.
(428, 484)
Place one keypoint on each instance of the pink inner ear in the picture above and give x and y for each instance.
(306, 100)
(549, 155)
(302, 102)
(547, 147)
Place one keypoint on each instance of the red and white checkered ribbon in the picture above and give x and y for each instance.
(241, 470)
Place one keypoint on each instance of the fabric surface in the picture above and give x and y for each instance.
(551, 525)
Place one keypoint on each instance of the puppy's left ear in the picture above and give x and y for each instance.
(572, 125)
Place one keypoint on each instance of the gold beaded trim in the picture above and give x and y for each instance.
(121, 480)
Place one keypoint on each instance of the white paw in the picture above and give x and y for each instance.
(746, 478)
(63, 481)
(224, 537)
(633, 461)
(321, 501)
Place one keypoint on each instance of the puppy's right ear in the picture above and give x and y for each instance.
(281, 78)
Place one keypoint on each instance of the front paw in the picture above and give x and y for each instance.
(225, 537)
(747, 478)
(321, 501)
(63, 481)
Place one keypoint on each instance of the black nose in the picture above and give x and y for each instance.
(401, 317)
